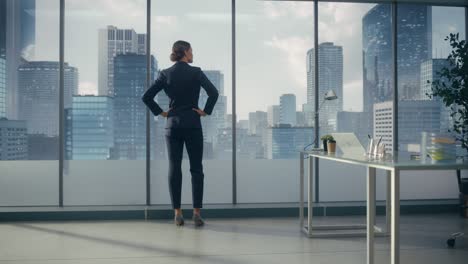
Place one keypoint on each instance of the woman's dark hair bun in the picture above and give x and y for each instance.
(178, 50)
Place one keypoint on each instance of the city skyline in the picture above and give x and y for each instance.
(332, 57)
(288, 49)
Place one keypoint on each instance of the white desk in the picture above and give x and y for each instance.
(393, 165)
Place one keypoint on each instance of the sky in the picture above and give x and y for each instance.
(272, 41)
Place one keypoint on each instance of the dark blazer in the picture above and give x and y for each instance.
(182, 83)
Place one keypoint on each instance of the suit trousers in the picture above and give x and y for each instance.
(193, 140)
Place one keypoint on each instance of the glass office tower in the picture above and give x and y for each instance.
(92, 127)
(38, 92)
(330, 64)
(415, 28)
(129, 111)
(2, 86)
(13, 140)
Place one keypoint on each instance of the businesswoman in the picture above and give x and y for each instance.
(181, 82)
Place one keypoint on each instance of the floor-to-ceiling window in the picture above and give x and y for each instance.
(105, 71)
(206, 25)
(274, 118)
(105, 120)
(355, 61)
(422, 52)
(29, 102)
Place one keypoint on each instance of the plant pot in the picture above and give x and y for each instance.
(331, 147)
(325, 145)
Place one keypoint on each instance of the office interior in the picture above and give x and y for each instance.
(84, 164)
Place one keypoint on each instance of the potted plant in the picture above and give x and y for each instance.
(325, 139)
(452, 88)
(331, 145)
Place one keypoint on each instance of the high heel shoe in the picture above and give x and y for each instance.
(179, 220)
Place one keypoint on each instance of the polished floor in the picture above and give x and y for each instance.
(221, 241)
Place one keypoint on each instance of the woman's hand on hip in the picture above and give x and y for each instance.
(164, 114)
(199, 111)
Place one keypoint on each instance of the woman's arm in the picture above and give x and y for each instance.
(148, 97)
(210, 91)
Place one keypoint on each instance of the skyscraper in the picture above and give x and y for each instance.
(141, 43)
(414, 117)
(288, 109)
(330, 63)
(258, 122)
(429, 73)
(377, 56)
(129, 112)
(114, 41)
(3, 98)
(414, 44)
(92, 127)
(38, 89)
(300, 119)
(13, 140)
(273, 113)
(3, 10)
(2, 87)
(216, 121)
(43, 147)
(17, 42)
(383, 123)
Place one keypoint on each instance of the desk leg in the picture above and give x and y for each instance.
(301, 190)
(395, 218)
(310, 192)
(370, 214)
(388, 211)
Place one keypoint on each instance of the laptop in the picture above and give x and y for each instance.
(348, 143)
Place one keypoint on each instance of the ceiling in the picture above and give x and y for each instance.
(431, 2)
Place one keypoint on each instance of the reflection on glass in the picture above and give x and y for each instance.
(422, 53)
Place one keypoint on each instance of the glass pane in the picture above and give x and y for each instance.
(355, 61)
(207, 26)
(29, 102)
(274, 119)
(422, 53)
(105, 130)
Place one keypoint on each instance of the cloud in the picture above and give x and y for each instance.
(28, 52)
(102, 8)
(276, 10)
(210, 17)
(163, 22)
(339, 21)
(295, 48)
(87, 88)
